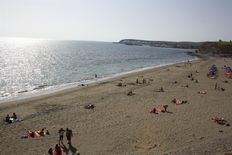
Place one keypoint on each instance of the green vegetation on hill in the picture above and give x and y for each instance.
(221, 48)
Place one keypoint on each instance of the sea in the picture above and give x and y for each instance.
(30, 67)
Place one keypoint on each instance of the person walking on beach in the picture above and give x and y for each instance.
(61, 134)
(69, 135)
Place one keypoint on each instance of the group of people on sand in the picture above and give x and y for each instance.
(11, 119)
(69, 135)
(60, 147)
(59, 150)
(144, 81)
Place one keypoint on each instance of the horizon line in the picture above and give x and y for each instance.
(38, 38)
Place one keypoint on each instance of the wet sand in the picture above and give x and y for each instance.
(122, 124)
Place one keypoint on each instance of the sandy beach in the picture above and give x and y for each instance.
(122, 124)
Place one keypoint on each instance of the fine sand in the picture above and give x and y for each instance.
(122, 124)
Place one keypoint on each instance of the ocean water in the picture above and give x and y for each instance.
(30, 66)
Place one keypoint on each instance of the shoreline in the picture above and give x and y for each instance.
(69, 87)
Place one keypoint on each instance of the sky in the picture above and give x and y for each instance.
(113, 20)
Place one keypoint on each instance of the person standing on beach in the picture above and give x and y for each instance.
(137, 81)
(69, 135)
(61, 134)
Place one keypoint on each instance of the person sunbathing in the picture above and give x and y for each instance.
(202, 92)
(34, 134)
(185, 85)
(179, 102)
(89, 106)
(41, 132)
(160, 90)
(130, 93)
(155, 110)
(220, 121)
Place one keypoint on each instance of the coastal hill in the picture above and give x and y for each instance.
(167, 44)
(222, 48)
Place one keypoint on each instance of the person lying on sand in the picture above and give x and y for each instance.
(89, 106)
(158, 110)
(179, 102)
(37, 133)
(130, 93)
(185, 86)
(175, 82)
(160, 90)
(42, 132)
(202, 92)
(220, 121)
(120, 84)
